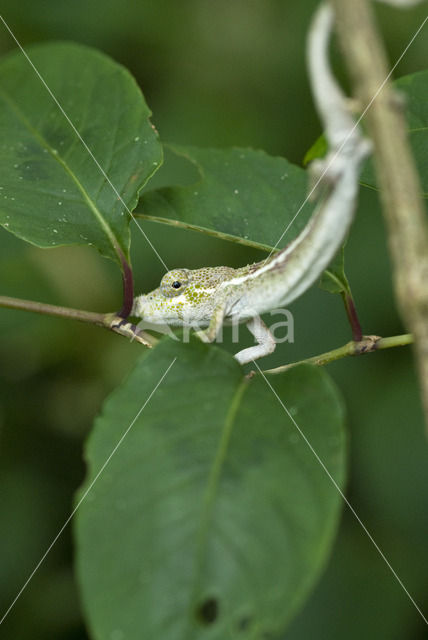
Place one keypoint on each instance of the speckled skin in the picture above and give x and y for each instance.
(193, 302)
(210, 296)
(206, 298)
(213, 295)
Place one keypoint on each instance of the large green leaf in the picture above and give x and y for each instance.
(51, 190)
(243, 194)
(212, 518)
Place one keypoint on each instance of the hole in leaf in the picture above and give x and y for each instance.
(207, 611)
(244, 623)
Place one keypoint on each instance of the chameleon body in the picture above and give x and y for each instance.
(211, 296)
(206, 298)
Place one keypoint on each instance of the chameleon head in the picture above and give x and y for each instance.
(164, 305)
(184, 297)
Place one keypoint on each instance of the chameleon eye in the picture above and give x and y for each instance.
(174, 282)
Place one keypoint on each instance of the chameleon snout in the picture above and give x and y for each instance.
(138, 307)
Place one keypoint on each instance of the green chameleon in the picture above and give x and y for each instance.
(208, 297)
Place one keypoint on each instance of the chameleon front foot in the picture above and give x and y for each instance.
(127, 329)
(265, 342)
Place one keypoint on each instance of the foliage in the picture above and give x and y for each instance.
(213, 517)
(64, 198)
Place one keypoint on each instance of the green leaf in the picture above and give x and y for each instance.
(334, 278)
(242, 195)
(212, 518)
(414, 89)
(51, 190)
(318, 150)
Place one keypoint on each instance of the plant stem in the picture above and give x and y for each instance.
(128, 287)
(395, 168)
(110, 321)
(368, 344)
(351, 312)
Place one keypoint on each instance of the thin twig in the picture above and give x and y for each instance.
(368, 344)
(110, 321)
(395, 168)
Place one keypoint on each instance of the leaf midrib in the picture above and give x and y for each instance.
(92, 206)
(175, 222)
(211, 488)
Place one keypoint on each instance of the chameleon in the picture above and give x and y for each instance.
(208, 297)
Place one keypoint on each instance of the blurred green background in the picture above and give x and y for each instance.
(215, 74)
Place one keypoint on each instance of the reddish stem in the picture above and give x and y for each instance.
(128, 288)
(351, 312)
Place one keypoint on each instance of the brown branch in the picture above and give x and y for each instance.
(395, 168)
(110, 321)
